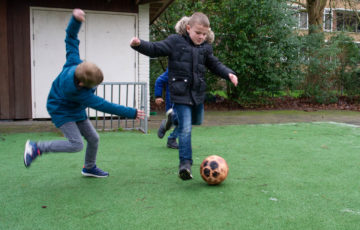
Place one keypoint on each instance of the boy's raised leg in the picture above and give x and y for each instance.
(166, 123)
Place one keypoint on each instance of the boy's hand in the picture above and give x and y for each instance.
(233, 79)
(135, 41)
(79, 15)
(140, 114)
(159, 101)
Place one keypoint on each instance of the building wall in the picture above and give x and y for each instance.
(343, 4)
(337, 6)
(144, 61)
(339, 3)
(15, 100)
(15, 74)
(4, 74)
(98, 5)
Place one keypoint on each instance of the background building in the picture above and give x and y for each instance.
(338, 15)
(32, 46)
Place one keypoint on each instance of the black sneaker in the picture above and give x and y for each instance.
(172, 144)
(185, 171)
(162, 131)
(165, 124)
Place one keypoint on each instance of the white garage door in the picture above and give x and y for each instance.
(104, 40)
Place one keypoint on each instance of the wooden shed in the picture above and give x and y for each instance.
(32, 46)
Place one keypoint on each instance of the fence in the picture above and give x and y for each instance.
(131, 94)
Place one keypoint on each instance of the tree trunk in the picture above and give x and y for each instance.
(315, 9)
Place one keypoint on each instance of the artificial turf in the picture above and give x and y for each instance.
(283, 176)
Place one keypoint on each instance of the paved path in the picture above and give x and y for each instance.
(213, 118)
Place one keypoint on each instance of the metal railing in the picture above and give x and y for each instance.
(130, 94)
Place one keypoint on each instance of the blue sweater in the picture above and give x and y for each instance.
(66, 101)
(160, 82)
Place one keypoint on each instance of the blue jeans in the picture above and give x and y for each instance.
(174, 133)
(188, 115)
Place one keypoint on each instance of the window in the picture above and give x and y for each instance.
(347, 21)
(303, 20)
(327, 20)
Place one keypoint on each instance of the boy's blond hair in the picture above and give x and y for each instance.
(210, 37)
(89, 74)
(199, 18)
(180, 28)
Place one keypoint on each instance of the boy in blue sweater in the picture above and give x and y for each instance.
(71, 93)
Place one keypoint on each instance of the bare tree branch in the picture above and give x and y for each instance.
(298, 3)
(351, 6)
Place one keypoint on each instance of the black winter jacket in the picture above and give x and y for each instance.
(186, 64)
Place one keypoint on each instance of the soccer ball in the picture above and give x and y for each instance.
(214, 169)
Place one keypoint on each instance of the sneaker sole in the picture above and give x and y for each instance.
(168, 119)
(92, 175)
(172, 147)
(27, 146)
(185, 174)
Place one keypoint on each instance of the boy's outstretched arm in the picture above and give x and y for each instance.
(153, 49)
(72, 42)
(100, 104)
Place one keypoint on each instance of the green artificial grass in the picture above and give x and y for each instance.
(284, 176)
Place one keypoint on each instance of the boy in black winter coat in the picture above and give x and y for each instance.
(188, 57)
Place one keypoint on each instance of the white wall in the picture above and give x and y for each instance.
(104, 40)
(143, 66)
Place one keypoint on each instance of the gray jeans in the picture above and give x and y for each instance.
(74, 131)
